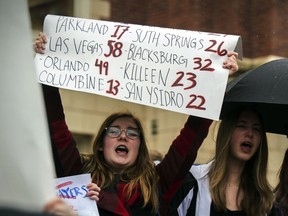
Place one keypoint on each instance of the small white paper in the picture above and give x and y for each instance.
(73, 190)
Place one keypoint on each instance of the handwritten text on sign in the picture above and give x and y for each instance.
(171, 69)
(72, 190)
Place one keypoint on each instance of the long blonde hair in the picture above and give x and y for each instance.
(142, 174)
(258, 196)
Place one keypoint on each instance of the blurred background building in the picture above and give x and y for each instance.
(261, 25)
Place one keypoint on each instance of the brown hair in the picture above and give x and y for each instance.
(141, 174)
(258, 196)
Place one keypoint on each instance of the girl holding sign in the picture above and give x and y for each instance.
(120, 164)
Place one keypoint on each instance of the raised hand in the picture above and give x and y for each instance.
(39, 43)
(231, 63)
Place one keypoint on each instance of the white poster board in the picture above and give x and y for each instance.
(72, 190)
(26, 163)
(171, 69)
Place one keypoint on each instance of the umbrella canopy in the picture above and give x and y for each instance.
(264, 88)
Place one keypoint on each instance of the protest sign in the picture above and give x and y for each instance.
(72, 190)
(171, 69)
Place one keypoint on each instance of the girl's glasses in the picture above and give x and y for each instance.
(114, 132)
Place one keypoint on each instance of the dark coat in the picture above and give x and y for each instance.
(172, 170)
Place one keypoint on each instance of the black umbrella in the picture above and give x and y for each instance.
(266, 89)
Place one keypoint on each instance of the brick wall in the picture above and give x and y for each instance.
(261, 24)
